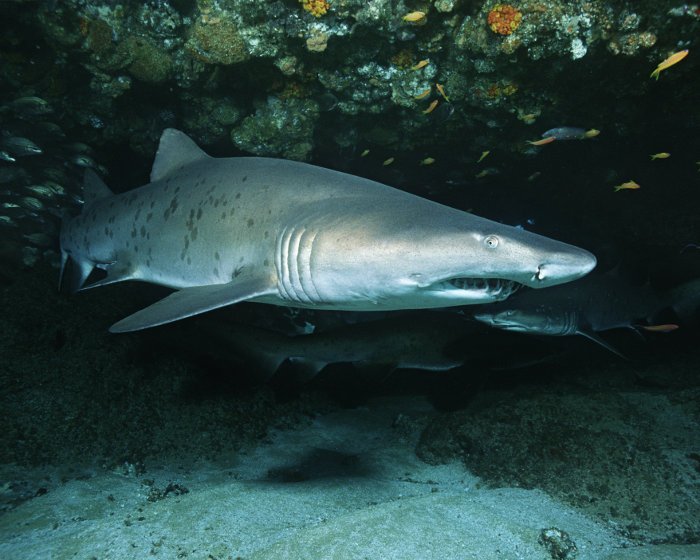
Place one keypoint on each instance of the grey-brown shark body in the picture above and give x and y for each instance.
(224, 230)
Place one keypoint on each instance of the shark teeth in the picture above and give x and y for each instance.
(498, 288)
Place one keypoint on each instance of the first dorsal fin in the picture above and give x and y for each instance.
(93, 187)
(175, 150)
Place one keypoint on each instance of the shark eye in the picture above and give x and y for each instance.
(491, 242)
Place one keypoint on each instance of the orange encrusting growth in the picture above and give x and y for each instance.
(504, 19)
(316, 7)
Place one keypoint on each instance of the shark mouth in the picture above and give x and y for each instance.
(496, 288)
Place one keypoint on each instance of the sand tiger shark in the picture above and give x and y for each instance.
(225, 230)
(599, 302)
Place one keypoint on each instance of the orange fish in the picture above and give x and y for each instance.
(442, 92)
(421, 64)
(628, 185)
(542, 142)
(431, 107)
(414, 16)
(660, 155)
(670, 61)
(422, 94)
(660, 328)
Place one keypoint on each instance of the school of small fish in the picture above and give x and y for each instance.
(40, 169)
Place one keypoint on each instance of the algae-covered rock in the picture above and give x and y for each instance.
(209, 118)
(149, 63)
(216, 41)
(279, 129)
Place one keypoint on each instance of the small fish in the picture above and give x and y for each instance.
(430, 107)
(50, 128)
(423, 94)
(31, 106)
(364, 153)
(528, 119)
(542, 142)
(414, 16)
(421, 64)
(41, 191)
(628, 185)
(4, 156)
(570, 133)
(55, 187)
(442, 92)
(534, 176)
(483, 155)
(388, 161)
(86, 161)
(660, 328)
(486, 172)
(670, 61)
(660, 155)
(31, 203)
(19, 146)
(427, 161)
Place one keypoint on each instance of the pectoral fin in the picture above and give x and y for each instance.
(595, 338)
(192, 301)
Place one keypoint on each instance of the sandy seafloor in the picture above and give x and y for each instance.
(124, 446)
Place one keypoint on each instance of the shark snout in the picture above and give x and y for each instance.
(563, 268)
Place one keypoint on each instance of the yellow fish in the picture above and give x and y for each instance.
(364, 153)
(592, 133)
(660, 155)
(427, 161)
(628, 185)
(482, 174)
(414, 16)
(421, 64)
(442, 92)
(670, 61)
(388, 161)
(422, 94)
(483, 155)
(431, 107)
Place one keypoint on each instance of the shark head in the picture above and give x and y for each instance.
(427, 256)
(529, 320)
